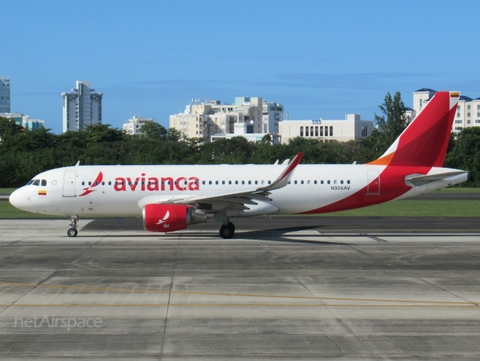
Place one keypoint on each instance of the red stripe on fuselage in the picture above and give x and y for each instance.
(392, 186)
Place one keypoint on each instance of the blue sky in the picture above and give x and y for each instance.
(320, 59)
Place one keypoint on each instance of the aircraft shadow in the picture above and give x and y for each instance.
(267, 235)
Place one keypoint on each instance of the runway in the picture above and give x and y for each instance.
(299, 288)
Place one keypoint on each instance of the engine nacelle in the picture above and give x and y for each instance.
(170, 217)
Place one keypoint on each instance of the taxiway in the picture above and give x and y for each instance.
(289, 287)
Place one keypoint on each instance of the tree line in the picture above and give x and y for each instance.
(25, 153)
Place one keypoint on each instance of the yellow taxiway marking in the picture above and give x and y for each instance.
(378, 302)
(344, 305)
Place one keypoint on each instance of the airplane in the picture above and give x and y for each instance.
(172, 197)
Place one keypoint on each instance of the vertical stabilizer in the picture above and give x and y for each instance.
(424, 142)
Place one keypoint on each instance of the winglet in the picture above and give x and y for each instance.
(283, 178)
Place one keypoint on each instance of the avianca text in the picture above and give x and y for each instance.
(156, 184)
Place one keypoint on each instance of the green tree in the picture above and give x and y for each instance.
(8, 128)
(466, 154)
(392, 123)
(154, 130)
(99, 133)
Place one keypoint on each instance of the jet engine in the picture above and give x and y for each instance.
(170, 217)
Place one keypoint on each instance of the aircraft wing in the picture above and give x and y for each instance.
(237, 200)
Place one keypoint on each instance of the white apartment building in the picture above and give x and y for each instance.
(351, 128)
(134, 125)
(24, 120)
(82, 107)
(4, 95)
(240, 130)
(468, 109)
(212, 118)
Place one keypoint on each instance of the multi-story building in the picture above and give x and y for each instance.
(4, 95)
(241, 130)
(212, 118)
(24, 120)
(351, 128)
(467, 114)
(134, 125)
(82, 107)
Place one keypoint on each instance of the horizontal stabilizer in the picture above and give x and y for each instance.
(417, 180)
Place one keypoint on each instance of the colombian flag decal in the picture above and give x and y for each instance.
(42, 193)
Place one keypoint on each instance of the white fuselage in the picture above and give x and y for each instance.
(123, 190)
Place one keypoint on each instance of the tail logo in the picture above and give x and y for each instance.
(95, 183)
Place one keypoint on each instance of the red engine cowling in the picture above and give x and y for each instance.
(169, 217)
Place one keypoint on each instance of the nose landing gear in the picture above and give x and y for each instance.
(72, 232)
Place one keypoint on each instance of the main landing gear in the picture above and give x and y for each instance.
(227, 230)
(72, 232)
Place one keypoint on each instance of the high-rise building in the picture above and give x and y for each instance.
(4, 95)
(81, 108)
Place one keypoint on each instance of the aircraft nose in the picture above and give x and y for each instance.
(19, 199)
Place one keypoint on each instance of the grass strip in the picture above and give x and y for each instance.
(402, 208)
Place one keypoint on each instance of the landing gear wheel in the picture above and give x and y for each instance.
(72, 232)
(227, 230)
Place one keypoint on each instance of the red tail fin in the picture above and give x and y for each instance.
(424, 142)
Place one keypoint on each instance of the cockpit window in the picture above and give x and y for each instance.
(30, 182)
(44, 182)
(36, 182)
